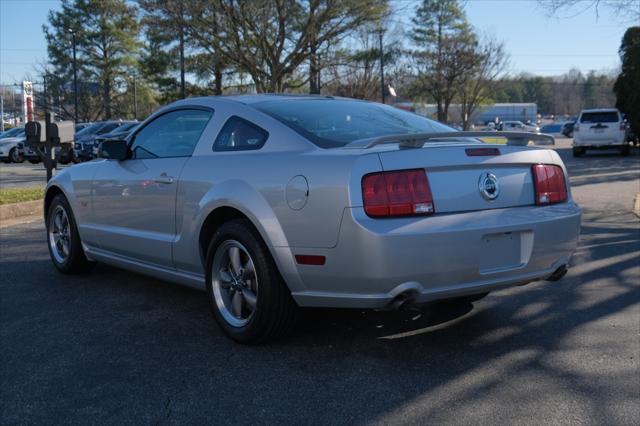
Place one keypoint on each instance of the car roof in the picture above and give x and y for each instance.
(252, 99)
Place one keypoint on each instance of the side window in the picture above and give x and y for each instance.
(174, 134)
(238, 134)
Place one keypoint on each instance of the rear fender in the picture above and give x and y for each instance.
(244, 198)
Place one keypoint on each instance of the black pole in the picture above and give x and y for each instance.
(135, 98)
(46, 100)
(182, 84)
(49, 151)
(381, 68)
(75, 76)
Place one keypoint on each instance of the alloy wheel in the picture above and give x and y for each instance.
(234, 283)
(60, 234)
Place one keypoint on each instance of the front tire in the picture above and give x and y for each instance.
(248, 297)
(63, 238)
(15, 156)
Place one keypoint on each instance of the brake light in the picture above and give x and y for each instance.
(480, 152)
(549, 184)
(398, 193)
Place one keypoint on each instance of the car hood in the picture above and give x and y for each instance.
(87, 138)
(9, 141)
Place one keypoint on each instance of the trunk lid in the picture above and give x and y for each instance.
(461, 182)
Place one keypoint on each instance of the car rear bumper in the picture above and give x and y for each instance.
(598, 143)
(378, 261)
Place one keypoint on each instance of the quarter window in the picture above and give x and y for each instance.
(174, 134)
(238, 134)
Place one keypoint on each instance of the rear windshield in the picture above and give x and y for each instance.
(89, 129)
(599, 117)
(333, 123)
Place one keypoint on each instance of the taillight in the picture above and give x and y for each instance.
(399, 193)
(549, 183)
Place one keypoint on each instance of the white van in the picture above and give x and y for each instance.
(599, 129)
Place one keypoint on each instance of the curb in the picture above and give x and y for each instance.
(636, 204)
(27, 208)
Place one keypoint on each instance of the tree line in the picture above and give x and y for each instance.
(134, 56)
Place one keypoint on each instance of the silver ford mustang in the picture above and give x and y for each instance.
(272, 202)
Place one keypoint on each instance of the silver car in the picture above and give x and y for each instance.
(270, 203)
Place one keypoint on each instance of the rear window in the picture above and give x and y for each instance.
(333, 123)
(89, 129)
(599, 117)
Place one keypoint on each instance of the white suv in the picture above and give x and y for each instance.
(599, 129)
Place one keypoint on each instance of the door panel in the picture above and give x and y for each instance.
(134, 200)
(134, 207)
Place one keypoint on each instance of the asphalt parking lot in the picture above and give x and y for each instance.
(24, 175)
(115, 347)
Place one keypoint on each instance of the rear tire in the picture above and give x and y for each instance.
(266, 311)
(65, 247)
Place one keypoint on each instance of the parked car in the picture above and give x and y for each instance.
(118, 133)
(84, 140)
(11, 132)
(553, 128)
(567, 128)
(31, 156)
(12, 146)
(518, 126)
(600, 129)
(274, 202)
(80, 126)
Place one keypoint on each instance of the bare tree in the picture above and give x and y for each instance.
(476, 87)
(271, 39)
(625, 10)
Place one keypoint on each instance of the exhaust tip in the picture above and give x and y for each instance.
(558, 274)
(401, 301)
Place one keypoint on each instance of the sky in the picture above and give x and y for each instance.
(536, 43)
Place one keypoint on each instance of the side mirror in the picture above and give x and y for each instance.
(114, 149)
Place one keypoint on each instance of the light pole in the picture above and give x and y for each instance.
(75, 74)
(381, 66)
(135, 97)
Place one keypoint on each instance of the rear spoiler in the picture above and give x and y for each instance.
(417, 140)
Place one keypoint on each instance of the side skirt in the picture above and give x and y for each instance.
(187, 279)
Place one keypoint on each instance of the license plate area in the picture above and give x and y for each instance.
(505, 251)
(599, 130)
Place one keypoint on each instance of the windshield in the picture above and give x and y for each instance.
(89, 129)
(333, 123)
(599, 117)
(125, 127)
(11, 133)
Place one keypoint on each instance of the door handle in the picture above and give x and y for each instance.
(163, 178)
